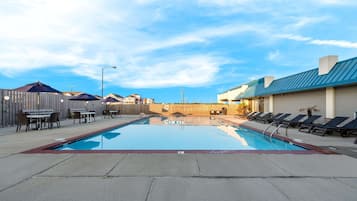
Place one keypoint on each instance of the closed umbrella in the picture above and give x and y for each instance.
(37, 87)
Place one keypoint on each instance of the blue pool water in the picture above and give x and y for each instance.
(154, 134)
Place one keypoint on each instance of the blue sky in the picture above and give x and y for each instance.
(163, 47)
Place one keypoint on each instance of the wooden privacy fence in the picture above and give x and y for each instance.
(13, 102)
(168, 109)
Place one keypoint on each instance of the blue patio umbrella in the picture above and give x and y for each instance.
(110, 100)
(37, 87)
(84, 97)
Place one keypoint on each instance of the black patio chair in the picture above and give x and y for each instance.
(294, 121)
(272, 118)
(254, 116)
(281, 118)
(93, 114)
(250, 114)
(22, 120)
(307, 124)
(263, 117)
(106, 114)
(347, 129)
(77, 115)
(328, 127)
(54, 118)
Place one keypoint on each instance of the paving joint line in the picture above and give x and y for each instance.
(197, 177)
(278, 189)
(198, 165)
(6, 156)
(115, 165)
(347, 184)
(150, 189)
(35, 174)
(274, 163)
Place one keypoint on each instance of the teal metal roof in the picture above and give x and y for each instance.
(343, 73)
(255, 88)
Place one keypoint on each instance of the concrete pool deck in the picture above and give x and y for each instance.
(166, 177)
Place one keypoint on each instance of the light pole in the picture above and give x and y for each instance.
(114, 67)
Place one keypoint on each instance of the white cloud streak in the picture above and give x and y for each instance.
(336, 43)
(203, 35)
(293, 37)
(195, 70)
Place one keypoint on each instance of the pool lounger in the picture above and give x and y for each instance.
(327, 127)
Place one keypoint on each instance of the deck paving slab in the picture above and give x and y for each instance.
(79, 188)
(318, 165)
(16, 168)
(156, 165)
(85, 165)
(315, 189)
(200, 189)
(237, 165)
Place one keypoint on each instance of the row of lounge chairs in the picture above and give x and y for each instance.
(306, 124)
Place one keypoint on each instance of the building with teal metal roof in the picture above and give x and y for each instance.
(332, 87)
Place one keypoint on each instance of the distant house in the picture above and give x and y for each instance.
(148, 101)
(129, 100)
(132, 99)
(331, 89)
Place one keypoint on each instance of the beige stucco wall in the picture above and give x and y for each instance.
(292, 102)
(346, 101)
(266, 104)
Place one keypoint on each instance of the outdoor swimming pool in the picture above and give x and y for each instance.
(158, 133)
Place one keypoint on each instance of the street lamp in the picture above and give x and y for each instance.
(114, 67)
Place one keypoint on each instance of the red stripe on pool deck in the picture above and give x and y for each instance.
(46, 149)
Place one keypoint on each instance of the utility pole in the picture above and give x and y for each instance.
(182, 95)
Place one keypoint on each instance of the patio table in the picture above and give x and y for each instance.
(113, 112)
(87, 116)
(38, 118)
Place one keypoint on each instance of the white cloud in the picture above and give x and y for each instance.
(337, 43)
(337, 2)
(303, 21)
(203, 35)
(194, 70)
(293, 37)
(309, 40)
(274, 55)
(224, 3)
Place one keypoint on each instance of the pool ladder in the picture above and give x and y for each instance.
(276, 130)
